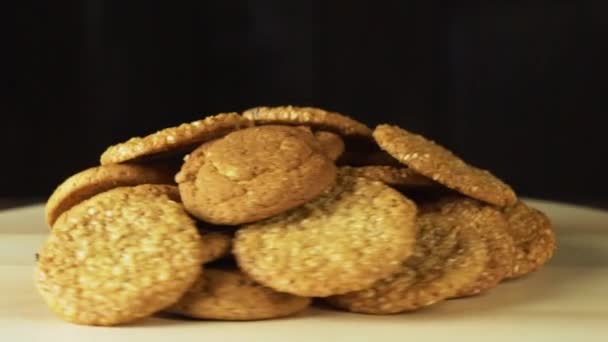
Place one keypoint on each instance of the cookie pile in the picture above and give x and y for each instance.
(251, 216)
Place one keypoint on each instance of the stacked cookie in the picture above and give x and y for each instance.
(251, 216)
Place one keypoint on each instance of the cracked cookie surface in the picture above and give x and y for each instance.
(253, 174)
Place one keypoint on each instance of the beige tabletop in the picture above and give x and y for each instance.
(565, 301)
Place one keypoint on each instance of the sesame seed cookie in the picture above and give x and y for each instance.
(449, 254)
(215, 246)
(253, 174)
(95, 180)
(534, 238)
(182, 138)
(310, 116)
(401, 177)
(492, 226)
(231, 295)
(331, 143)
(441, 165)
(356, 233)
(119, 256)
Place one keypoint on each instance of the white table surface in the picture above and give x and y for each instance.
(565, 301)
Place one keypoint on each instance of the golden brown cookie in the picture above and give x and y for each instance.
(331, 143)
(356, 233)
(309, 116)
(492, 226)
(215, 246)
(449, 254)
(439, 164)
(232, 295)
(119, 256)
(253, 174)
(401, 177)
(95, 180)
(533, 235)
(183, 138)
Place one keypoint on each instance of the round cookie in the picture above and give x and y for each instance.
(533, 235)
(231, 295)
(331, 143)
(182, 138)
(95, 180)
(119, 256)
(439, 164)
(449, 254)
(356, 233)
(402, 177)
(492, 226)
(215, 246)
(309, 116)
(253, 174)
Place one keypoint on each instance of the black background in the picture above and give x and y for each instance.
(517, 87)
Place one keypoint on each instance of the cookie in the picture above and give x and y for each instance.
(533, 235)
(309, 116)
(449, 254)
(215, 246)
(179, 139)
(253, 174)
(119, 256)
(331, 143)
(231, 295)
(355, 234)
(95, 180)
(401, 177)
(492, 226)
(439, 164)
